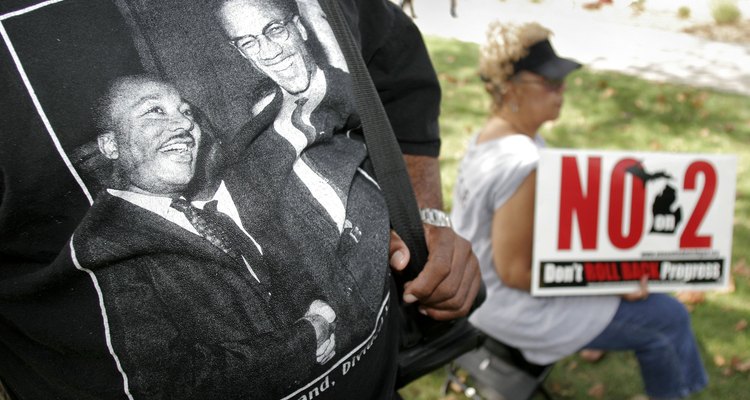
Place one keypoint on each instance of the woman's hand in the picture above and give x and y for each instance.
(641, 293)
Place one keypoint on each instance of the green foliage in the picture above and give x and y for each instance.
(683, 12)
(725, 11)
(614, 111)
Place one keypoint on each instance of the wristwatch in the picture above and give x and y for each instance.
(435, 217)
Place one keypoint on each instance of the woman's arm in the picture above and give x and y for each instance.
(513, 234)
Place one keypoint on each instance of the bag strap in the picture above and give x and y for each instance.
(385, 153)
(426, 344)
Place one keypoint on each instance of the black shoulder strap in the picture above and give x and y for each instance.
(385, 153)
(426, 344)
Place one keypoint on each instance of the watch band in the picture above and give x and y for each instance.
(435, 217)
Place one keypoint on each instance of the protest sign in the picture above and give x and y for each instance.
(603, 219)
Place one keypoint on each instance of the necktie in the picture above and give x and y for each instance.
(208, 224)
(308, 130)
(219, 229)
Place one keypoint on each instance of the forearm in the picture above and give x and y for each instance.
(513, 236)
(424, 173)
(516, 275)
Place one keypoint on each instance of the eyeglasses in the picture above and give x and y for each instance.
(549, 84)
(275, 31)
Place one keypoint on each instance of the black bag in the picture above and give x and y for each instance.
(426, 344)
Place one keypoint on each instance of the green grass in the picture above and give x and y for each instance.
(614, 111)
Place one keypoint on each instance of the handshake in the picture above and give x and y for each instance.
(323, 319)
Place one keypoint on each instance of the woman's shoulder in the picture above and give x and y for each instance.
(513, 148)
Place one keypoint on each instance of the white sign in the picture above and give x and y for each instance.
(604, 219)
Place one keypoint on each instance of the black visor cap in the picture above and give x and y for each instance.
(543, 60)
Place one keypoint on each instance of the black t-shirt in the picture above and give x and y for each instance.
(103, 296)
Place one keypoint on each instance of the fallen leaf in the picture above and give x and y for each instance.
(595, 5)
(719, 361)
(573, 365)
(705, 132)
(597, 391)
(741, 325)
(691, 297)
(743, 366)
(740, 268)
(608, 92)
(655, 145)
(698, 101)
(451, 79)
(727, 371)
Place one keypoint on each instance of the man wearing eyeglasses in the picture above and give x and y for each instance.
(310, 112)
(298, 126)
(272, 37)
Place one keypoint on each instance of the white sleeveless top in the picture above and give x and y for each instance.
(544, 328)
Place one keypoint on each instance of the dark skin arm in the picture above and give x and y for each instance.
(449, 282)
(400, 67)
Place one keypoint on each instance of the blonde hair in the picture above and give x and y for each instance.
(506, 44)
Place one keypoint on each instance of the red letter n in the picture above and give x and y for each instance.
(584, 205)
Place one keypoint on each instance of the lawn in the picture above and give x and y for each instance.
(614, 111)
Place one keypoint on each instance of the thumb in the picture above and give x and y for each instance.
(398, 252)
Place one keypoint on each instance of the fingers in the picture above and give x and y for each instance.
(450, 280)
(444, 252)
(641, 293)
(458, 306)
(399, 253)
(326, 351)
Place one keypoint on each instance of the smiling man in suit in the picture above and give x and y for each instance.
(162, 261)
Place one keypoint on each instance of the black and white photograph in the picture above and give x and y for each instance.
(206, 135)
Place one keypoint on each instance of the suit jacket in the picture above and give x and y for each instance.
(279, 211)
(184, 317)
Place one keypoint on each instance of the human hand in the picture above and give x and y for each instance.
(322, 317)
(322, 308)
(641, 293)
(398, 252)
(312, 13)
(325, 339)
(326, 350)
(450, 280)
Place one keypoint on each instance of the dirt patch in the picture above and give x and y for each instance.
(732, 33)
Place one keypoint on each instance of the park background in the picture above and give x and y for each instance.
(660, 75)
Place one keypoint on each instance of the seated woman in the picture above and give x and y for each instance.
(493, 207)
